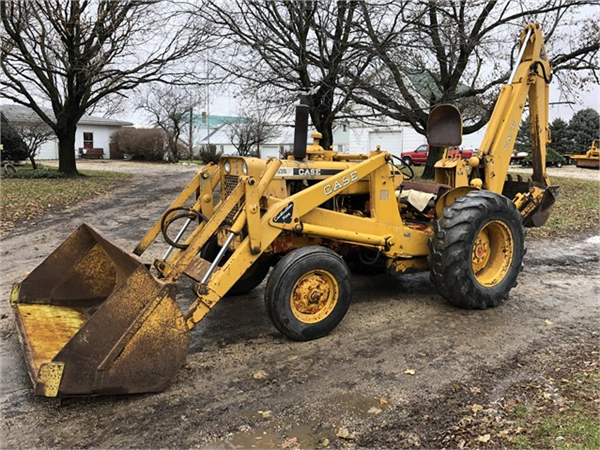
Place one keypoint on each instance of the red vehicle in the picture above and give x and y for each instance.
(419, 156)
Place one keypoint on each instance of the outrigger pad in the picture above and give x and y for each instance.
(93, 320)
(444, 127)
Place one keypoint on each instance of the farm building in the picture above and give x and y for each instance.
(92, 132)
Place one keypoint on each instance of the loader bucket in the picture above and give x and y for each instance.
(93, 320)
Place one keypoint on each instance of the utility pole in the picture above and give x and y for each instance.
(191, 133)
(207, 107)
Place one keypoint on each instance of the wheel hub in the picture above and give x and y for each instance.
(314, 296)
(493, 252)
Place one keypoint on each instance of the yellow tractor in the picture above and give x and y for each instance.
(591, 159)
(95, 319)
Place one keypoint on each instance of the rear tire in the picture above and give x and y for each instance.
(255, 274)
(477, 250)
(308, 293)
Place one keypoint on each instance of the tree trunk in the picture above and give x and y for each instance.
(33, 163)
(435, 154)
(66, 150)
(327, 132)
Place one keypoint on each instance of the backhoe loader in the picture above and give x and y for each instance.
(95, 319)
(591, 158)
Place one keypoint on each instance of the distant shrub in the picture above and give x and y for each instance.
(14, 147)
(285, 152)
(141, 144)
(553, 158)
(209, 154)
(28, 172)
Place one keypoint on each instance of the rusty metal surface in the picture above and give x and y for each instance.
(133, 338)
(197, 268)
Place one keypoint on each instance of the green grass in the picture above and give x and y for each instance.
(571, 423)
(577, 210)
(31, 194)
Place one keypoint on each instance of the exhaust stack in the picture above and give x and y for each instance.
(301, 129)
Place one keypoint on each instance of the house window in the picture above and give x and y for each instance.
(88, 140)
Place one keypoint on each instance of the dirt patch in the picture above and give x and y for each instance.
(400, 349)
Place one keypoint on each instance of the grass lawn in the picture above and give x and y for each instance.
(577, 210)
(27, 197)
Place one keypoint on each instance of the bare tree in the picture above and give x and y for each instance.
(33, 134)
(281, 49)
(75, 54)
(171, 109)
(430, 52)
(248, 133)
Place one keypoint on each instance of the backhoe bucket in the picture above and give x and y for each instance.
(93, 320)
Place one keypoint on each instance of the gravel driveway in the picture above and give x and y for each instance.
(244, 385)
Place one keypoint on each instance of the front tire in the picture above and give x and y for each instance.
(308, 293)
(407, 160)
(477, 250)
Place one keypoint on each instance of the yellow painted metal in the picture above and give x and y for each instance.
(200, 236)
(14, 293)
(493, 253)
(252, 210)
(452, 171)
(449, 197)
(209, 178)
(49, 328)
(95, 311)
(50, 376)
(354, 237)
(591, 159)
(501, 131)
(409, 265)
(314, 296)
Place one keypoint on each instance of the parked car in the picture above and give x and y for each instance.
(419, 155)
(518, 157)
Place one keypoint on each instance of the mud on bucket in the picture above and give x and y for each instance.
(93, 320)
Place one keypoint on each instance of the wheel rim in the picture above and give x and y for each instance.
(314, 296)
(493, 252)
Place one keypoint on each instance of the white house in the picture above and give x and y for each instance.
(272, 148)
(397, 138)
(92, 132)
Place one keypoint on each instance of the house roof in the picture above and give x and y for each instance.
(220, 136)
(20, 113)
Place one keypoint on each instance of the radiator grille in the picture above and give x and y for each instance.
(231, 182)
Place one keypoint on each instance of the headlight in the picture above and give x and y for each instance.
(227, 166)
(244, 167)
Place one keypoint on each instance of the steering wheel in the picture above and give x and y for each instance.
(403, 168)
(186, 213)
